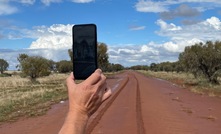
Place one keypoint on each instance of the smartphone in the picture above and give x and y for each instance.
(84, 50)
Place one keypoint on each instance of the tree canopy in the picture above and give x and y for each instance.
(34, 66)
(3, 65)
(203, 60)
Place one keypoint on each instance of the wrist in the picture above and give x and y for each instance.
(76, 115)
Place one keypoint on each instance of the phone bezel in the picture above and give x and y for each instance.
(95, 53)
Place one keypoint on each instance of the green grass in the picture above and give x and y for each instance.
(200, 85)
(20, 97)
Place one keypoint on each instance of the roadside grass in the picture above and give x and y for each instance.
(185, 80)
(23, 97)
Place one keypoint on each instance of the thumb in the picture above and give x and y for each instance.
(71, 78)
(107, 94)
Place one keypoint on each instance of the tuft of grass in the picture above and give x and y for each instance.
(200, 86)
(20, 97)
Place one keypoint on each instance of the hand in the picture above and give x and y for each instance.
(84, 99)
(87, 96)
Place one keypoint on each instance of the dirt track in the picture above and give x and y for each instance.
(139, 105)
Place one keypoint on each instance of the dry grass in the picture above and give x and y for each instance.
(200, 86)
(22, 97)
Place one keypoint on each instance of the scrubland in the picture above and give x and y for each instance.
(23, 97)
(185, 80)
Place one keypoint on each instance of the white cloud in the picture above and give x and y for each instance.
(136, 28)
(29, 2)
(129, 55)
(6, 8)
(163, 5)
(48, 2)
(56, 36)
(150, 6)
(168, 27)
(82, 1)
(213, 22)
(205, 30)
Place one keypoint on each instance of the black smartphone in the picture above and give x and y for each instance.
(84, 50)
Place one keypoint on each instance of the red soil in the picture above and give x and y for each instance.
(139, 105)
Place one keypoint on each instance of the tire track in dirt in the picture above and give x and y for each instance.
(100, 112)
(140, 124)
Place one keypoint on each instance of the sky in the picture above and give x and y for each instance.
(137, 32)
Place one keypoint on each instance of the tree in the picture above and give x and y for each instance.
(52, 65)
(70, 53)
(64, 66)
(3, 65)
(203, 59)
(114, 67)
(21, 58)
(102, 56)
(34, 66)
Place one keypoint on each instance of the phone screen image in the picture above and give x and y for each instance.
(84, 50)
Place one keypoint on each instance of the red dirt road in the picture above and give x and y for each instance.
(139, 105)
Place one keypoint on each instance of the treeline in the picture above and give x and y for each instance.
(163, 66)
(202, 60)
(38, 66)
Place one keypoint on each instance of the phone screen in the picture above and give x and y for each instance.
(84, 50)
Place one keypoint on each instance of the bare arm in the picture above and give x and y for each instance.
(84, 99)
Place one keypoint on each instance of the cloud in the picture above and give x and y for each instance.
(82, 1)
(167, 27)
(129, 55)
(209, 29)
(150, 6)
(6, 8)
(136, 28)
(28, 2)
(182, 11)
(164, 5)
(179, 38)
(56, 36)
(48, 2)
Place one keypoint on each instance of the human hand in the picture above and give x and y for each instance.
(86, 97)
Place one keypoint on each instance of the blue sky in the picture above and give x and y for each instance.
(136, 31)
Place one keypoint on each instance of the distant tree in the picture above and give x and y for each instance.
(34, 66)
(64, 66)
(114, 67)
(102, 56)
(70, 53)
(203, 60)
(3, 65)
(153, 67)
(52, 65)
(140, 67)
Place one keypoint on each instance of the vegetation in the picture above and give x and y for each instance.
(21, 97)
(64, 66)
(3, 65)
(102, 56)
(203, 60)
(34, 66)
(187, 80)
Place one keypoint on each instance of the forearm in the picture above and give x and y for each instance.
(75, 123)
